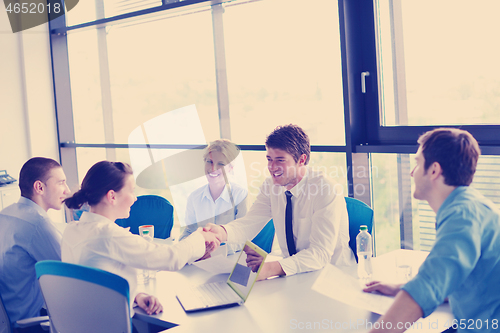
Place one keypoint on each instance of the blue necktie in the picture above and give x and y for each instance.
(288, 224)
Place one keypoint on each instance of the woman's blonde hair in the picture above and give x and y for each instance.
(224, 146)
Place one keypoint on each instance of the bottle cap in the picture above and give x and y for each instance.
(363, 227)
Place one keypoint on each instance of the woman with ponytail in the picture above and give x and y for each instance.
(96, 241)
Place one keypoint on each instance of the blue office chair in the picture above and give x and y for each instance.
(265, 237)
(83, 299)
(150, 210)
(359, 214)
(7, 327)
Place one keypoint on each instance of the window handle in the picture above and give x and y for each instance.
(363, 81)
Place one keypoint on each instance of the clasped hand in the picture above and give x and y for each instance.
(211, 242)
(254, 260)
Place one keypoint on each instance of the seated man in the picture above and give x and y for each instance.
(309, 217)
(27, 236)
(464, 263)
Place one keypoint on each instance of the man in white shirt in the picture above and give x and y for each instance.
(308, 211)
(27, 236)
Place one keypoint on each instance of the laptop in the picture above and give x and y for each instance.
(223, 294)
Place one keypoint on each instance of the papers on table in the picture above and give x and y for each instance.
(220, 263)
(342, 287)
(217, 264)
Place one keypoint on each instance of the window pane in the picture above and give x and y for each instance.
(91, 10)
(146, 80)
(83, 12)
(85, 87)
(282, 72)
(119, 7)
(438, 62)
(385, 202)
(154, 70)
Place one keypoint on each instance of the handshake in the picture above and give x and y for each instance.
(214, 235)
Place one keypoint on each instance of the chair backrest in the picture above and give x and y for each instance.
(265, 237)
(150, 210)
(5, 326)
(359, 214)
(83, 299)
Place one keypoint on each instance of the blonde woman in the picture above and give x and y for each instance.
(220, 201)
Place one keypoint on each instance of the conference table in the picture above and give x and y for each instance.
(302, 302)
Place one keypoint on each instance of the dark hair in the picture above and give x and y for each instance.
(99, 180)
(36, 168)
(292, 139)
(455, 150)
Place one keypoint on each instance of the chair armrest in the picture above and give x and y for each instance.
(31, 321)
(46, 326)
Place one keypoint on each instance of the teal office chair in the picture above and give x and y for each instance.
(7, 327)
(359, 214)
(83, 299)
(152, 210)
(265, 237)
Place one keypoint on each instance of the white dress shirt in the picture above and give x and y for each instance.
(320, 223)
(202, 209)
(98, 242)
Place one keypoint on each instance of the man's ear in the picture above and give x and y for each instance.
(303, 159)
(38, 187)
(435, 170)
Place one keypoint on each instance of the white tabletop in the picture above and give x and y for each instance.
(277, 305)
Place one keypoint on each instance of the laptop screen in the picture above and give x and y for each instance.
(242, 277)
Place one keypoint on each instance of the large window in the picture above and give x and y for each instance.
(363, 78)
(126, 75)
(439, 62)
(144, 71)
(283, 64)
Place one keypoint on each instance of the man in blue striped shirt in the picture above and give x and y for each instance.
(27, 236)
(464, 263)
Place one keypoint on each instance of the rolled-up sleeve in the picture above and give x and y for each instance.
(135, 251)
(451, 260)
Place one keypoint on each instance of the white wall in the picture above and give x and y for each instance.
(27, 112)
(14, 139)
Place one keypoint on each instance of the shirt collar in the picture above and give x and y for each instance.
(32, 204)
(299, 189)
(93, 217)
(449, 200)
(223, 196)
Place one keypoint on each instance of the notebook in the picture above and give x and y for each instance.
(223, 294)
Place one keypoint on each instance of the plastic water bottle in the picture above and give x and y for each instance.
(364, 251)
(150, 274)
